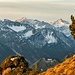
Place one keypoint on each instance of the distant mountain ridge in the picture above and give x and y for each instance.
(36, 39)
(65, 68)
(43, 64)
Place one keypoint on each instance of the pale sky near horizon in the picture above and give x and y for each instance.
(44, 10)
(36, 0)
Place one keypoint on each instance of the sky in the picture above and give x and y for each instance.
(43, 10)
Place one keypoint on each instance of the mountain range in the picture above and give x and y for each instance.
(35, 39)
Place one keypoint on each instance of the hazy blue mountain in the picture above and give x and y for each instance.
(36, 39)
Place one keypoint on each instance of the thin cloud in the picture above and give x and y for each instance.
(51, 1)
(29, 0)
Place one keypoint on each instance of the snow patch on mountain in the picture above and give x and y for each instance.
(28, 34)
(50, 38)
(4, 36)
(17, 28)
(39, 27)
(66, 32)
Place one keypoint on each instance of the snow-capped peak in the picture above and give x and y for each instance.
(21, 19)
(61, 22)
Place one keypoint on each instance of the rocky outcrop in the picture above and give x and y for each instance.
(43, 64)
(65, 68)
(68, 56)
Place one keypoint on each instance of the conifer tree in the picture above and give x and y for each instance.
(72, 26)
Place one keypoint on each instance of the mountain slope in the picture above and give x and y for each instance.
(5, 51)
(35, 39)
